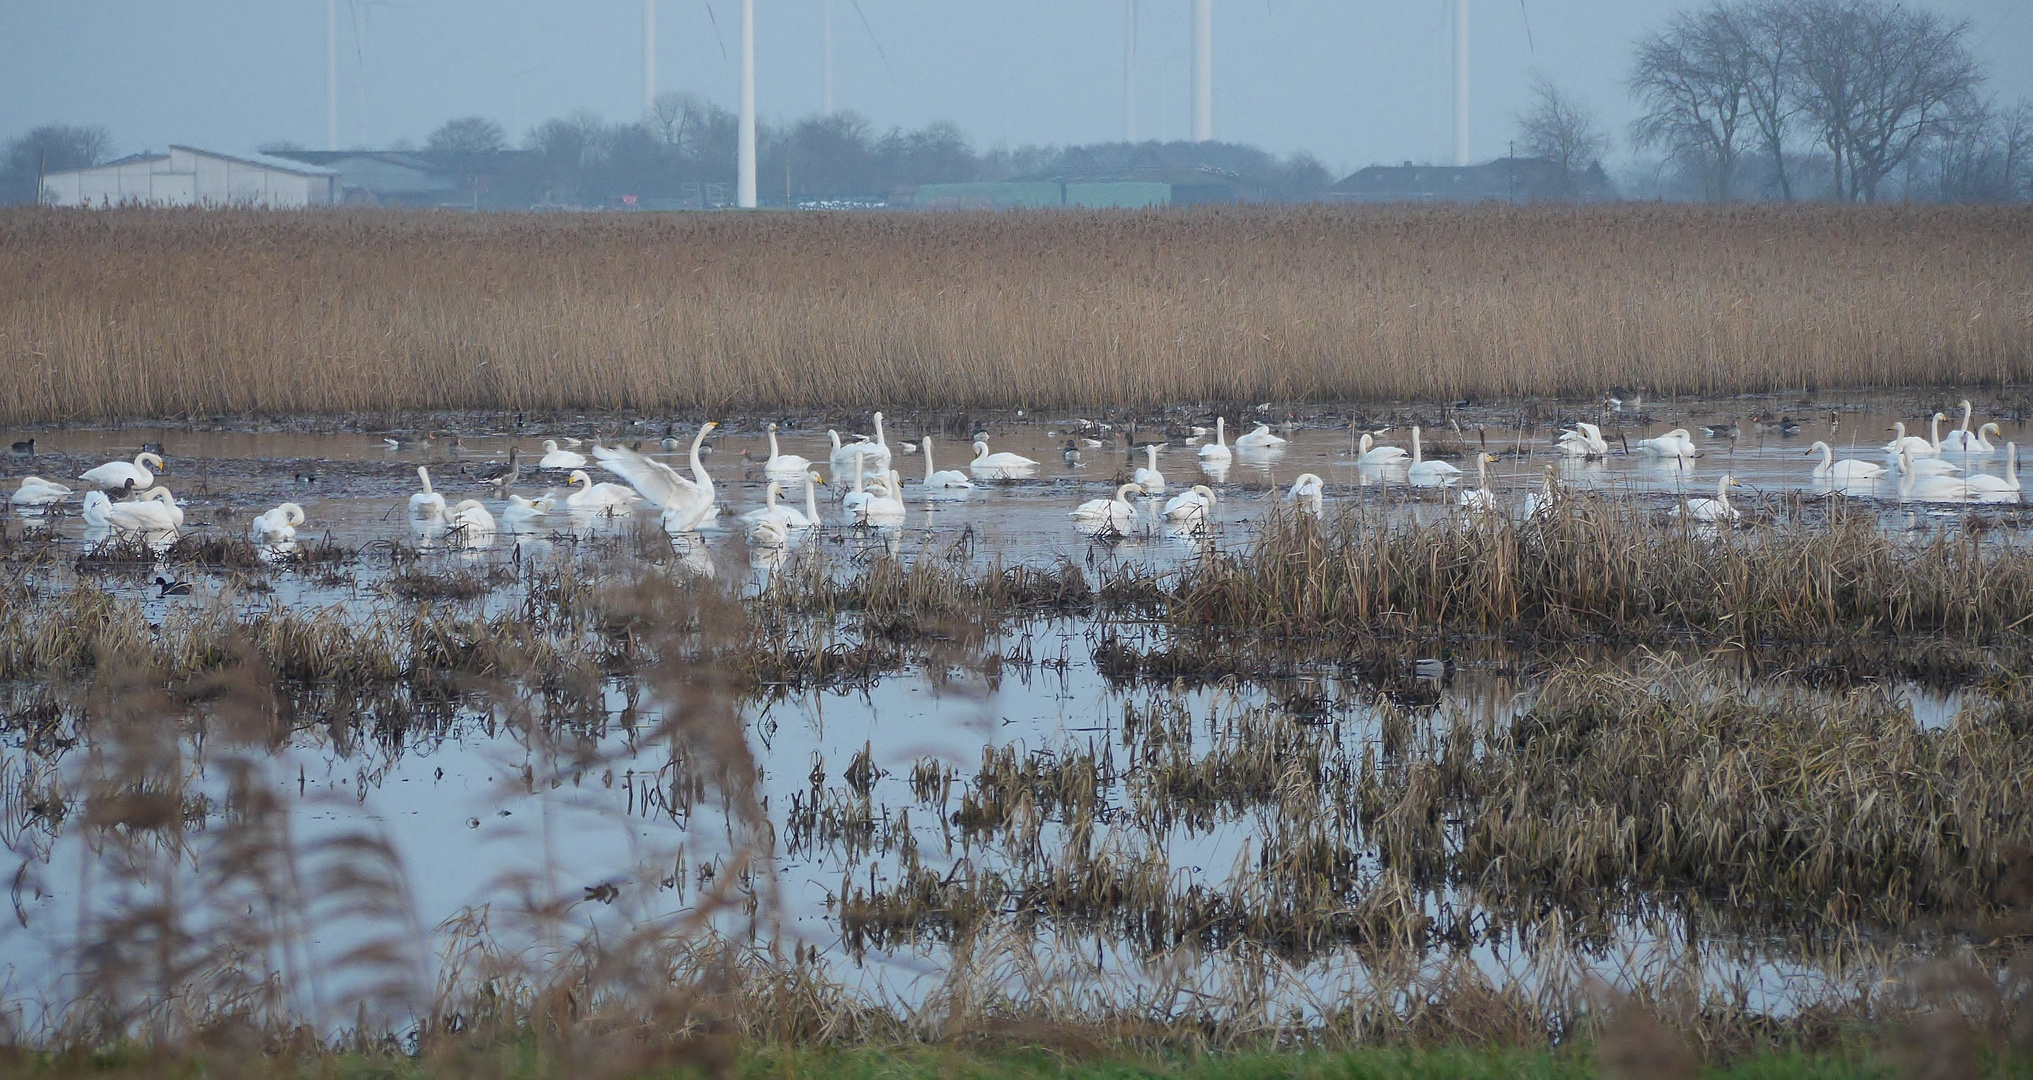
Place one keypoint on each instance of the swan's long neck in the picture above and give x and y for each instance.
(1934, 429)
(1827, 458)
(858, 488)
(699, 467)
(1482, 471)
(811, 501)
(1152, 450)
(1122, 493)
(773, 451)
(1966, 410)
(2012, 465)
(878, 431)
(927, 448)
(1221, 431)
(1722, 491)
(424, 475)
(1417, 456)
(1365, 445)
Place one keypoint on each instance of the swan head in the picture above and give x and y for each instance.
(149, 460)
(579, 477)
(292, 513)
(772, 427)
(980, 448)
(550, 446)
(1366, 444)
(159, 494)
(1122, 493)
(1204, 492)
(1992, 428)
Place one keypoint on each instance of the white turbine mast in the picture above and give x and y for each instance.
(648, 61)
(331, 74)
(1203, 70)
(1129, 71)
(744, 178)
(1461, 82)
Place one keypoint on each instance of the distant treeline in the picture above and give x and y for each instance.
(1782, 100)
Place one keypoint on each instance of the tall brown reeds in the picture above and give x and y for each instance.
(152, 313)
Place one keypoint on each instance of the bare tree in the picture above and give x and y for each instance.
(1562, 131)
(1765, 32)
(1695, 79)
(1878, 80)
(466, 135)
(45, 149)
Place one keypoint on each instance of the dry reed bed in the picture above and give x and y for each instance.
(166, 313)
(1819, 572)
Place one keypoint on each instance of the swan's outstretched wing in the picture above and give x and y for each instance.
(658, 482)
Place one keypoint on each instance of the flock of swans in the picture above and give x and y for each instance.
(125, 497)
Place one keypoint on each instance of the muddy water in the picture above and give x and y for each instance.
(478, 811)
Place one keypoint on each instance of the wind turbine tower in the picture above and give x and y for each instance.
(1129, 71)
(1203, 70)
(1461, 82)
(648, 61)
(331, 74)
(744, 177)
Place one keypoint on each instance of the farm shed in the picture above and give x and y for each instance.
(189, 177)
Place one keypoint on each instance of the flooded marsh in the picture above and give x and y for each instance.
(1398, 769)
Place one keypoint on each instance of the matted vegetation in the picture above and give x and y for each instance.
(136, 313)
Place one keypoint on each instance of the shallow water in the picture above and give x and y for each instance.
(474, 811)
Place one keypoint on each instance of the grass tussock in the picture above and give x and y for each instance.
(161, 313)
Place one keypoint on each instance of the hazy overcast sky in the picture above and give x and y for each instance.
(1354, 82)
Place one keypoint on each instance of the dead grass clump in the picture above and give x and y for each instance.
(209, 312)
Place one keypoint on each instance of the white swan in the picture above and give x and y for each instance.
(35, 491)
(1429, 473)
(1480, 499)
(1910, 462)
(1372, 454)
(1915, 486)
(521, 514)
(1961, 437)
(1117, 513)
(998, 462)
(1842, 472)
(426, 503)
(843, 455)
(114, 475)
(856, 497)
(686, 503)
(1972, 445)
(1677, 443)
(1217, 451)
(1711, 510)
(769, 531)
(1260, 439)
(595, 498)
(1307, 492)
(555, 458)
(1909, 444)
(1191, 507)
(885, 505)
(782, 464)
(472, 516)
(153, 511)
(277, 526)
(1547, 497)
(941, 479)
(1585, 442)
(1148, 477)
(788, 515)
(1988, 487)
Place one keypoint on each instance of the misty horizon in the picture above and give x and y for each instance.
(1349, 86)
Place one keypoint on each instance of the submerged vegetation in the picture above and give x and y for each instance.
(356, 312)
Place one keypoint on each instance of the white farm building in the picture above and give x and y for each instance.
(190, 177)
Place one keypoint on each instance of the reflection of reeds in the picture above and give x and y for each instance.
(208, 312)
